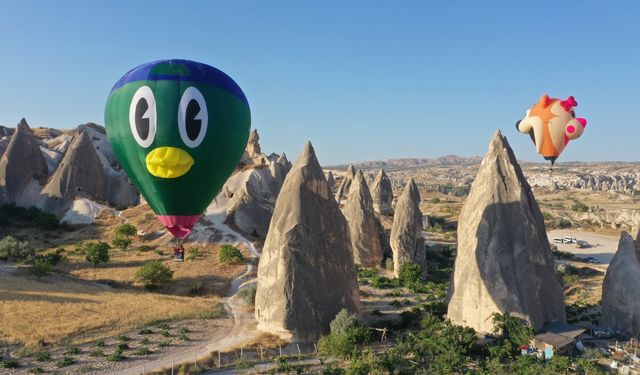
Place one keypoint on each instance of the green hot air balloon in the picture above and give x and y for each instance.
(178, 128)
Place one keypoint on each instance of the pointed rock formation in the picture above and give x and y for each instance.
(620, 292)
(415, 193)
(286, 164)
(358, 210)
(343, 190)
(85, 173)
(382, 194)
(331, 181)
(406, 233)
(253, 145)
(306, 273)
(277, 171)
(22, 166)
(504, 262)
(79, 174)
(253, 196)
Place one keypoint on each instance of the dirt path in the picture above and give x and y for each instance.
(243, 328)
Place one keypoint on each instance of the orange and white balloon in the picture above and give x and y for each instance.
(552, 123)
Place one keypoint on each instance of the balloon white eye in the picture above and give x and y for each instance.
(193, 117)
(142, 116)
(527, 113)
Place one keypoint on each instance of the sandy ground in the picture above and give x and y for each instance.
(243, 327)
(602, 247)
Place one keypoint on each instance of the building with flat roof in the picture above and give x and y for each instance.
(557, 338)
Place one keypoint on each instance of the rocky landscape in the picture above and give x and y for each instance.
(392, 246)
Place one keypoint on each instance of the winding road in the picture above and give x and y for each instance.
(243, 328)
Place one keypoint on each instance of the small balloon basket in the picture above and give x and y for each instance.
(178, 250)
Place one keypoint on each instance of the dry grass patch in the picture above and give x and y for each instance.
(201, 274)
(74, 312)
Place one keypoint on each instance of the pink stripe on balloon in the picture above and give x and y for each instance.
(179, 225)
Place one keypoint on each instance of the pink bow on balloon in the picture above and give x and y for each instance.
(568, 103)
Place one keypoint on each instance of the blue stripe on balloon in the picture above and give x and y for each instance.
(201, 73)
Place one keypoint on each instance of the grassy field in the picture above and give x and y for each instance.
(64, 311)
(79, 303)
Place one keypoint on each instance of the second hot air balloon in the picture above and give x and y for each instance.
(552, 123)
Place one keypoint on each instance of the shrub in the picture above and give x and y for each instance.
(36, 370)
(97, 252)
(72, 351)
(100, 344)
(46, 221)
(145, 248)
(230, 255)
(43, 356)
(410, 273)
(97, 353)
(343, 322)
(9, 363)
(562, 223)
(154, 274)
(579, 207)
(122, 346)
(142, 351)
(144, 341)
(121, 243)
(41, 269)
(145, 331)
(125, 230)
(435, 200)
(116, 356)
(15, 250)
(194, 253)
(52, 258)
(248, 295)
(123, 338)
(65, 361)
(344, 345)
(164, 343)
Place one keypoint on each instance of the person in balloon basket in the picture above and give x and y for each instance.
(178, 253)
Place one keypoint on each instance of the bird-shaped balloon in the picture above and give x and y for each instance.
(551, 123)
(178, 129)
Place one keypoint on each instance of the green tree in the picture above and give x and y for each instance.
(154, 274)
(513, 331)
(41, 269)
(14, 250)
(122, 243)
(97, 252)
(410, 274)
(125, 230)
(230, 255)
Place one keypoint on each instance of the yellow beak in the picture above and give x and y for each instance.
(168, 162)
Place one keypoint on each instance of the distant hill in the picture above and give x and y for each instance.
(391, 165)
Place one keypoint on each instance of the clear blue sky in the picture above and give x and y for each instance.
(362, 80)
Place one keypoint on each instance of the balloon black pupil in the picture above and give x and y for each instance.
(142, 124)
(191, 123)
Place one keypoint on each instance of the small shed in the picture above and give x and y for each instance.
(558, 338)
